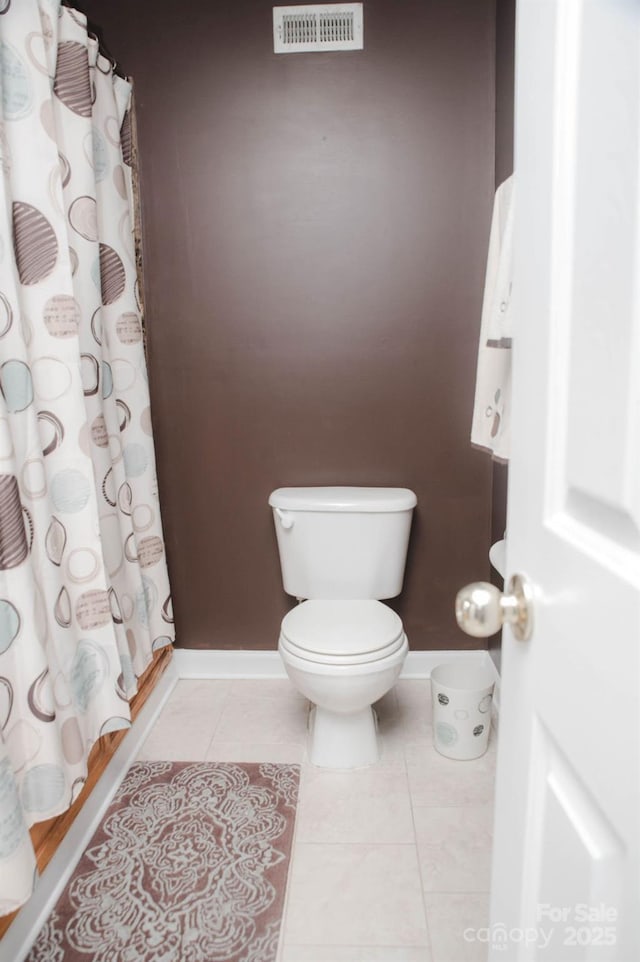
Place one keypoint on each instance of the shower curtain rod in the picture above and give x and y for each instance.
(95, 32)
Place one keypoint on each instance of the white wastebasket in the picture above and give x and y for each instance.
(462, 694)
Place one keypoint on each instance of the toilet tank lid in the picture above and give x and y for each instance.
(343, 499)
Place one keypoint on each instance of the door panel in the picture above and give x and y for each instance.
(568, 785)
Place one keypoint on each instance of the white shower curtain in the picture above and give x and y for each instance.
(84, 592)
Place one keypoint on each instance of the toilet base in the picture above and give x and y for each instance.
(342, 740)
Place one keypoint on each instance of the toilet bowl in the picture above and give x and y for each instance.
(343, 656)
(342, 551)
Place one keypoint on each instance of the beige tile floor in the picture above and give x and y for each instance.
(390, 863)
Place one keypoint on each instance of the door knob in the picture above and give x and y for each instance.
(482, 609)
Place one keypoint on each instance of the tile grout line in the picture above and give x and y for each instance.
(420, 872)
(225, 698)
(358, 844)
(294, 848)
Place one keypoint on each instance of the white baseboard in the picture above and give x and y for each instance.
(216, 663)
(420, 664)
(186, 664)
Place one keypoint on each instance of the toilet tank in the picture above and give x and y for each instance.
(342, 542)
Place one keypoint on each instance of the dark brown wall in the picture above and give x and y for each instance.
(315, 242)
(505, 67)
(505, 70)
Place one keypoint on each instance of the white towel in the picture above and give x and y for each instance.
(492, 406)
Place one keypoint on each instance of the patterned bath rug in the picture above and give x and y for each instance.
(189, 864)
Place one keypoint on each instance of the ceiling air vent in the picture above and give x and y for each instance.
(317, 27)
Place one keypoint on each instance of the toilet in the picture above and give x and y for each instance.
(342, 550)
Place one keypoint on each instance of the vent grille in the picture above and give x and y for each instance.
(303, 29)
(309, 28)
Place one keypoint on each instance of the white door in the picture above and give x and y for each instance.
(566, 866)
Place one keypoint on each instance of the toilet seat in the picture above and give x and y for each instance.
(342, 632)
